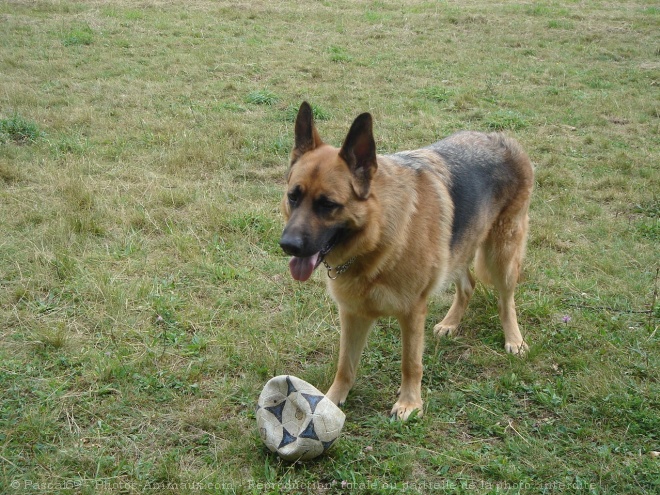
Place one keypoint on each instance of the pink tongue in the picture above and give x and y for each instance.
(302, 268)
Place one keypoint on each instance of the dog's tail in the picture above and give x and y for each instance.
(498, 260)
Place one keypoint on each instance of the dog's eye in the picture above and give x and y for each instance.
(294, 197)
(326, 204)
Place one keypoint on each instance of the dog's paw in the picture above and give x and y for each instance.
(441, 330)
(404, 410)
(519, 349)
(337, 397)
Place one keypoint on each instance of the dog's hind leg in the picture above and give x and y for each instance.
(464, 289)
(498, 262)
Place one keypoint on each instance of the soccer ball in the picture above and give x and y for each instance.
(295, 420)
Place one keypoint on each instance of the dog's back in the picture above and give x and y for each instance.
(487, 172)
(483, 173)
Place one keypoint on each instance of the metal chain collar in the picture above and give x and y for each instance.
(338, 269)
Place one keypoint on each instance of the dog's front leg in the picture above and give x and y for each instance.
(354, 332)
(412, 342)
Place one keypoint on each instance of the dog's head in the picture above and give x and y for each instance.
(327, 192)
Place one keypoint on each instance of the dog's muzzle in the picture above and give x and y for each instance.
(306, 256)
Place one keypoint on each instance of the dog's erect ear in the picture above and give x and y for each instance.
(307, 137)
(359, 152)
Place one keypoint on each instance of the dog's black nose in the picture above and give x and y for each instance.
(292, 244)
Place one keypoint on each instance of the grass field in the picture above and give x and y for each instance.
(144, 300)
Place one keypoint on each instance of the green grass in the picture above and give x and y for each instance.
(18, 130)
(82, 35)
(144, 301)
(262, 97)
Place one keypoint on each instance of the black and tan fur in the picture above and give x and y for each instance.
(412, 222)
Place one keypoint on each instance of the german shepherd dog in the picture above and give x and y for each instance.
(391, 229)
